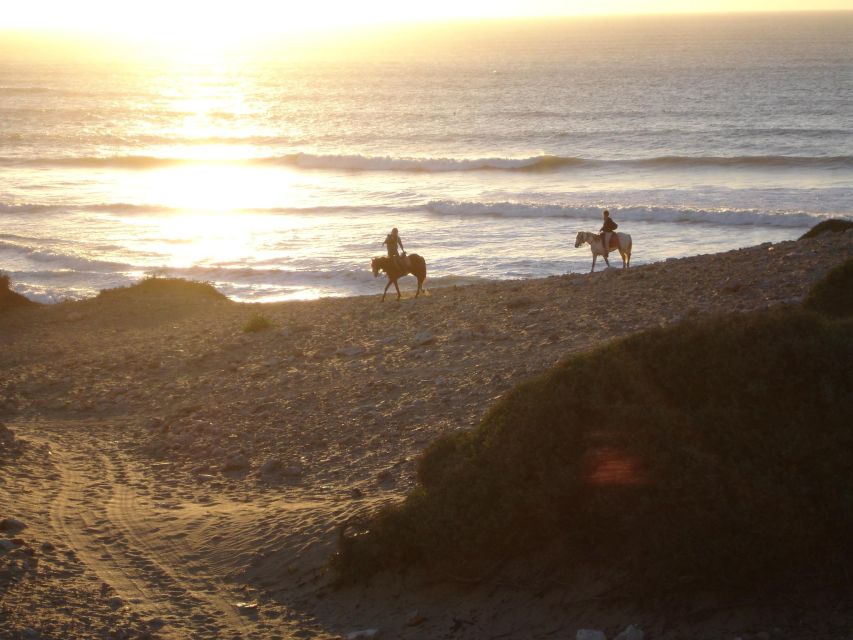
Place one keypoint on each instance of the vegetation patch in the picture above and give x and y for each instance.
(828, 226)
(10, 299)
(257, 323)
(712, 453)
(833, 295)
(165, 287)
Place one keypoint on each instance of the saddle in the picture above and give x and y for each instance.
(614, 241)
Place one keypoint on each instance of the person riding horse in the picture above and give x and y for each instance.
(392, 240)
(607, 230)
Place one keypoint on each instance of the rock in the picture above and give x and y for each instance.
(12, 525)
(235, 461)
(154, 423)
(270, 467)
(423, 338)
(350, 351)
(246, 607)
(293, 471)
(364, 633)
(115, 603)
(590, 634)
(385, 476)
(415, 618)
(6, 436)
(47, 547)
(631, 633)
(6, 545)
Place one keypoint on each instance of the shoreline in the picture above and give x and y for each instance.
(191, 466)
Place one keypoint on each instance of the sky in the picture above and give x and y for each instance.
(279, 16)
(220, 29)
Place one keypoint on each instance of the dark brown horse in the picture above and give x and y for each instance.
(395, 270)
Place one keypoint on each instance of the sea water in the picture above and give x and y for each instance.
(278, 177)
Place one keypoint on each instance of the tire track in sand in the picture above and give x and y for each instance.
(97, 516)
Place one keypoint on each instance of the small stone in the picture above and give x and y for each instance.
(364, 633)
(356, 494)
(12, 525)
(351, 351)
(235, 461)
(423, 338)
(115, 603)
(631, 633)
(293, 471)
(415, 618)
(246, 607)
(590, 634)
(6, 545)
(270, 467)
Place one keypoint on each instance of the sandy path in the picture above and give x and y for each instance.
(134, 546)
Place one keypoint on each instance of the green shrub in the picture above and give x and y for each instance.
(712, 452)
(155, 286)
(833, 295)
(256, 323)
(827, 226)
(10, 299)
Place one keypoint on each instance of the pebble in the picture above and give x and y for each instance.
(270, 466)
(423, 338)
(364, 633)
(11, 524)
(631, 633)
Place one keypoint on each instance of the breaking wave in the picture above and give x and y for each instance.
(358, 162)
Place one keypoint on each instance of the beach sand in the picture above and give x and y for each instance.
(172, 476)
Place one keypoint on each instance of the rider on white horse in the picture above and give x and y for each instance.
(607, 230)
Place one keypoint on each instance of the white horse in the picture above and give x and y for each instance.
(623, 245)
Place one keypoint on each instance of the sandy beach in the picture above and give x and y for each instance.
(166, 474)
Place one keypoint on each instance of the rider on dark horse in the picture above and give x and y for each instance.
(606, 230)
(392, 240)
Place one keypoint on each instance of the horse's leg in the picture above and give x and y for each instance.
(624, 261)
(594, 258)
(386, 290)
(418, 292)
(398, 290)
(606, 261)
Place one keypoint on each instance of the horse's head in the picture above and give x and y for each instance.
(375, 265)
(579, 240)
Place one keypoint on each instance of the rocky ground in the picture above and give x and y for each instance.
(167, 474)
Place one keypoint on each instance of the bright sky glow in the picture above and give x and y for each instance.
(205, 30)
(179, 18)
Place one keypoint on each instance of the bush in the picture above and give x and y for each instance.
(10, 299)
(833, 295)
(827, 226)
(712, 452)
(154, 286)
(256, 323)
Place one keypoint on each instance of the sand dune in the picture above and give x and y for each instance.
(178, 477)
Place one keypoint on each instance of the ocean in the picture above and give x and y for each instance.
(489, 147)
